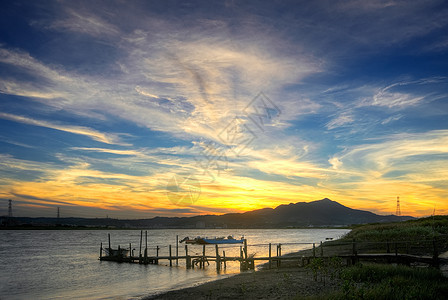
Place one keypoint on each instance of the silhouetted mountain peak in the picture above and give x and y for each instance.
(324, 212)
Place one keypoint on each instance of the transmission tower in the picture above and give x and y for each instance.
(398, 212)
(10, 209)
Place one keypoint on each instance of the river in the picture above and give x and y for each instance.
(63, 264)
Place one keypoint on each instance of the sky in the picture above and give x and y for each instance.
(137, 109)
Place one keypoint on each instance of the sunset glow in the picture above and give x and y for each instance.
(104, 105)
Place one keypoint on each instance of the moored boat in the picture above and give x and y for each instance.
(120, 252)
(212, 241)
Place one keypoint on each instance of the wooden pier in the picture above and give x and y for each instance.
(247, 262)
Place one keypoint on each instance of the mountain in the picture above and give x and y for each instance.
(323, 212)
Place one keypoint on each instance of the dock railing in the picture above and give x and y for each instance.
(425, 250)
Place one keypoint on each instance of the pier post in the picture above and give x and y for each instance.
(101, 250)
(224, 256)
(314, 249)
(110, 249)
(171, 262)
(146, 247)
(157, 255)
(218, 259)
(130, 251)
(187, 258)
(203, 257)
(321, 249)
(245, 249)
(270, 261)
(279, 254)
(119, 253)
(145, 256)
(177, 250)
(140, 251)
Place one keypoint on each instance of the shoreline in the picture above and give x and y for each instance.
(289, 281)
(264, 284)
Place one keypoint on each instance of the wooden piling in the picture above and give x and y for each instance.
(224, 256)
(146, 247)
(218, 260)
(321, 249)
(314, 250)
(270, 260)
(202, 265)
(157, 255)
(145, 256)
(110, 248)
(101, 250)
(187, 258)
(140, 251)
(171, 262)
(245, 248)
(279, 254)
(241, 258)
(277, 257)
(177, 250)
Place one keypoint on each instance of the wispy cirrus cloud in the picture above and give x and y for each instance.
(107, 138)
(172, 78)
(84, 22)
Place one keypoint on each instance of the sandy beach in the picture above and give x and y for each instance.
(291, 281)
(284, 283)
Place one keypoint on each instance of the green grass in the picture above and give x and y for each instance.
(399, 231)
(382, 281)
(413, 237)
(390, 282)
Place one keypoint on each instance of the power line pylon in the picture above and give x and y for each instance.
(398, 212)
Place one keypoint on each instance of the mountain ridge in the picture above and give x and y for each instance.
(319, 213)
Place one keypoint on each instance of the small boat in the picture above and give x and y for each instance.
(120, 252)
(212, 241)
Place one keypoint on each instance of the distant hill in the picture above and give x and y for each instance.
(318, 213)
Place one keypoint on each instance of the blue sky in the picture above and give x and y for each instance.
(136, 109)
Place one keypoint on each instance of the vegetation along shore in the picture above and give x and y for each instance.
(330, 276)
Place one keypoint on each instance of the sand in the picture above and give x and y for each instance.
(288, 282)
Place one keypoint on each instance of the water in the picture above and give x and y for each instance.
(52, 264)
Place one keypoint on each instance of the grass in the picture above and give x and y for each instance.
(390, 282)
(401, 231)
(413, 237)
(383, 281)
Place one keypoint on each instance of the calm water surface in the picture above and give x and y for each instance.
(64, 264)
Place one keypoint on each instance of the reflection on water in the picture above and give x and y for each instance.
(47, 264)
